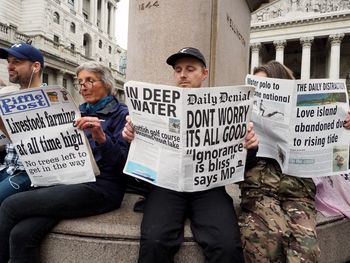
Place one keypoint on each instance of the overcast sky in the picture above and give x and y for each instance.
(122, 23)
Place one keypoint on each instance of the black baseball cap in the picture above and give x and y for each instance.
(186, 52)
(23, 51)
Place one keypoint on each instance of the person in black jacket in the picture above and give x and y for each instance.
(213, 219)
(25, 218)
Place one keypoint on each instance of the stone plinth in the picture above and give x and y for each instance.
(333, 237)
(111, 237)
(220, 29)
(114, 237)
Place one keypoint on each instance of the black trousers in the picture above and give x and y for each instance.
(213, 224)
(25, 218)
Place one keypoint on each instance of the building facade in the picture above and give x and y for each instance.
(312, 37)
(68, 32)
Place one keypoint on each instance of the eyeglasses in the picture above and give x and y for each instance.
(87, 84)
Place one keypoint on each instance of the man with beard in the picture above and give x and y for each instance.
(25, 66)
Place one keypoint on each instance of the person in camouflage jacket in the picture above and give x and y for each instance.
(278, 218)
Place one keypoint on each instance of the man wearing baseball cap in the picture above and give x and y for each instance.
(25, 65)
(211, 212)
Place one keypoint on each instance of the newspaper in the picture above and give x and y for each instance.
(39, 123)
(188, 139)
(300, 124)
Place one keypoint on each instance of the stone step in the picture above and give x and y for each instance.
(111, 237)
(114, 237)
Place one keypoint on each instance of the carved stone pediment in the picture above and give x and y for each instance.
(288, 9)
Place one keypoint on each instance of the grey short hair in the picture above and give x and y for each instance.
(104, 73)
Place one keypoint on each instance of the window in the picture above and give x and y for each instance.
(100, 59)
(56, 40)
(100, 43)
(110, 64)
(72, 27)
(45, 78)
(86, 16)
(72, 47)
(109, 49)
(56, 17)
(64, 83)
(71, 2)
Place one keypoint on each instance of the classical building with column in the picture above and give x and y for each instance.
(68, 32)
(312, 37)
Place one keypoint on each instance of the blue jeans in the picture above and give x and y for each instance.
(25, 218)
(11, 184)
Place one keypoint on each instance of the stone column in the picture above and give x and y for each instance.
(76, 6)
(93, 12)
(279, 45)
(112, 26)
(306, 56)
(104, 15)
(255, 48)
(219, 28)
(80, 7)
(59, 77)
(335, 55)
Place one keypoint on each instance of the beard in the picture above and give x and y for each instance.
(14, 79)
(21, 79)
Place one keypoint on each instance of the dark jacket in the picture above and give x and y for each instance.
(110, 156)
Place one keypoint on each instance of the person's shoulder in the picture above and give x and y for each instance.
(124, 107)
(82, 107)
(120, 106)
(8, 89)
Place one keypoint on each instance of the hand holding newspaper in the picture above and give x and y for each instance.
(39, 123)
(300, 124)
(188, 139)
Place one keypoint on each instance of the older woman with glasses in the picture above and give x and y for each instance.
(25, 218)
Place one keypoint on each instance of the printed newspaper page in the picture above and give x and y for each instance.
(188, 139)
(300, 124)
(40, 124)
